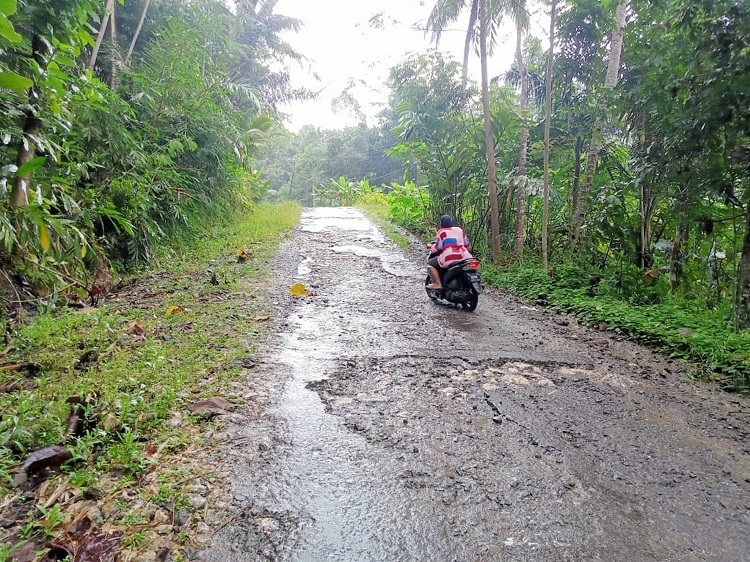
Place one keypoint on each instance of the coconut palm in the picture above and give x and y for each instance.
(521, 19)
(446, 12)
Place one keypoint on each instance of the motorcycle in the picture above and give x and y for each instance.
(461, 284)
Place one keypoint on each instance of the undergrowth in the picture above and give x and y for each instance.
(683, 329)
(150, 349)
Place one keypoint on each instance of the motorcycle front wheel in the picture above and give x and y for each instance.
(430, 292)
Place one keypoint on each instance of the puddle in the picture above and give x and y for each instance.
(305, 267)
(392, 263)
(354, 511)
(322, 219)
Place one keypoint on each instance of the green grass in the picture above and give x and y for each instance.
(682, 329)
(149, 364)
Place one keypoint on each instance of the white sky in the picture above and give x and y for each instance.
(340, 45)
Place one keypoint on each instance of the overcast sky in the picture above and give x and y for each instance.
(341, 45)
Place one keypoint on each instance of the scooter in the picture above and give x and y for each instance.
(461, 284)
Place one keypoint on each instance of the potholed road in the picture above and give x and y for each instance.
(397, 429)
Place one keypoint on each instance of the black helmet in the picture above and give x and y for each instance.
(446, 221)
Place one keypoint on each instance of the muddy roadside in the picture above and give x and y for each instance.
(394, 428)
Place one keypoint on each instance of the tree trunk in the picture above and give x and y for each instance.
(19, 194)
(613, 67)
(576, 177)
(547, 125)
(644, 259)
(494, 211)
(579, 213)
(137, 33)
(100, 37)
(680, 242)
(113, 76)
(521, 187)
(469, 37)
(742, 306)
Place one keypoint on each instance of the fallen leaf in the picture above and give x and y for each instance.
(298, 290)
(136, 328)
(53, 455)
(174, 309)
(247, 362)
(152, 294)
(210, 407)
(260, 318)
(243, 255)
(84, 544)
(110, 422)
(30, 367)
(12, 367)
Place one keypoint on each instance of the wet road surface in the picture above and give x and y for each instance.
(397, 429)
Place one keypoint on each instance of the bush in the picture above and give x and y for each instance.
(645, 314)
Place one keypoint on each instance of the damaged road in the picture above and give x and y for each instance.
(398, 429)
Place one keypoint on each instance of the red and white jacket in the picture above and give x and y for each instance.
(452, 245)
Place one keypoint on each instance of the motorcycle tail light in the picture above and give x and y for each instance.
(473, 264)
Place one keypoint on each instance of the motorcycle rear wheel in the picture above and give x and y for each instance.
(471, 304)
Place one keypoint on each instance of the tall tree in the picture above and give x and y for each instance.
(547, 124)
(108, 8)
(445, 12)
(519, 15)
(613, 68)
(137, 33)
(489, 141)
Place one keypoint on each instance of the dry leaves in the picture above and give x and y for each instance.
(175, 310)
(298, 290)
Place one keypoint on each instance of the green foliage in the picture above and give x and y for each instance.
(408, 206)
(296, 165)
(141, 381)
(7, 549)
(683, 329)
(51, 519)
(119, 164)
(442, 141)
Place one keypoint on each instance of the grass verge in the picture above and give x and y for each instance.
(126, 371)
(682, 329)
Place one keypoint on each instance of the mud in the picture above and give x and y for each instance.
(398, 429)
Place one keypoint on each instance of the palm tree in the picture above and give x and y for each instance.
(446, 12)
(488, 13)
(547, 122)
(489, 141)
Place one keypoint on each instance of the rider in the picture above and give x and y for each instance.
(451, 245)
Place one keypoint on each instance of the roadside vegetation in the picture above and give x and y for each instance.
(112, 386)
